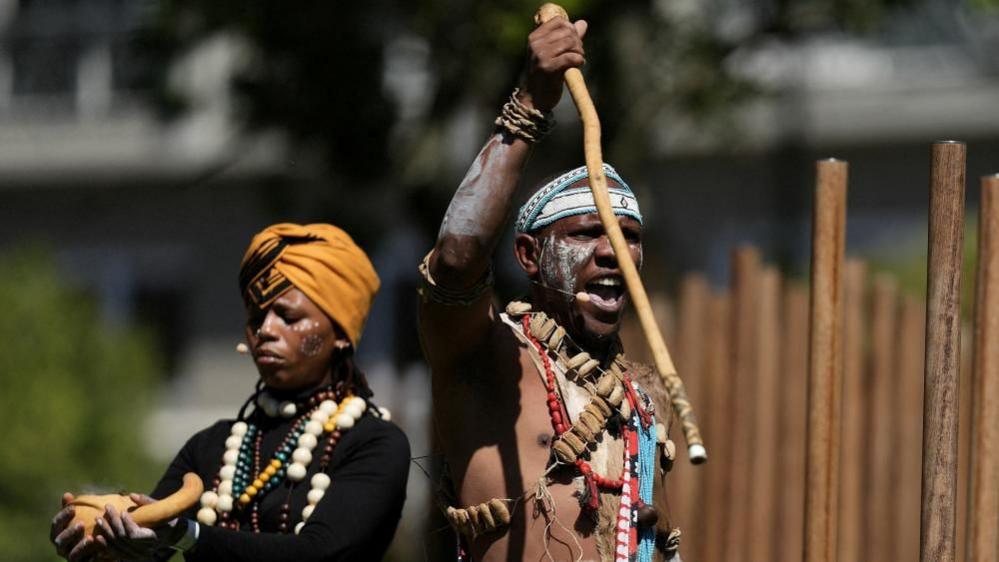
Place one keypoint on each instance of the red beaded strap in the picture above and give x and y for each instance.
(560, 422)
(556, 409)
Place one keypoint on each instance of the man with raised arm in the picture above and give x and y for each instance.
(555, 443)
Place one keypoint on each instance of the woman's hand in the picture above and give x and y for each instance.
(68, 539)
(126, 540)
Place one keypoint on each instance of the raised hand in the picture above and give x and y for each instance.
(554, 47)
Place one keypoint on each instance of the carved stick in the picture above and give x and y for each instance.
(598, 184)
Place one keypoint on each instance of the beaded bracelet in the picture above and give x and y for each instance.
(524, 122)
(431, 291)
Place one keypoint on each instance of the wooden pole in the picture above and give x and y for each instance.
(983, 502)
(793, 397)
(909, 427)
(685, 484)
(717, 429)
(745, 280)
(598, 185)
(825, 351)
(963, 441)
(852, 461)
(943, 347)
(880, 419)
(763, 492)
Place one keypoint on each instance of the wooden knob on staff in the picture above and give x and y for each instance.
(548, 11)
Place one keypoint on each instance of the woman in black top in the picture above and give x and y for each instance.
(310, 469)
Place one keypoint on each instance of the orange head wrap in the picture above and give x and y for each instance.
(320, 260)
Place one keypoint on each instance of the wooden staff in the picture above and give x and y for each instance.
(793, 396)
(598, 185)
(763, 492)
(741, 400)
(825, 352)
(943, 346)
(983, 501)
(852, 463)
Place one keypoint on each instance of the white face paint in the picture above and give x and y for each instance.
(560, 260)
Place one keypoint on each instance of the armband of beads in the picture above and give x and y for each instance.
(431, 291)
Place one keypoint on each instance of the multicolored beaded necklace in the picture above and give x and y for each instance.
(635, 483)
(243, 479)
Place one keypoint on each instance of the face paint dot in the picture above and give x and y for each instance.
(312, 345)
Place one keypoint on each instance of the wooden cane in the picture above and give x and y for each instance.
(943, 346)
(825, 359)
(598, 184)
(983, 501)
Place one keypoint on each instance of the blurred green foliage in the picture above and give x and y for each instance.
(909, 269)
(985, 5)
(72, 394)
(316, 68)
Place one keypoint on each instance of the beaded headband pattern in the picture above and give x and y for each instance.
(558, 200)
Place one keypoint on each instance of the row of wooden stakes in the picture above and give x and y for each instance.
(811, 402)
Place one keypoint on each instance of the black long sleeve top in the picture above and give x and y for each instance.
(355, 519)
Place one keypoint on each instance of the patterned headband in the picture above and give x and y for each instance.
(557, 200)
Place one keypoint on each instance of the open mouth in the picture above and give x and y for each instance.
(606, 293)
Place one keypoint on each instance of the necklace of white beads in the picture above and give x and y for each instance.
(235, 488)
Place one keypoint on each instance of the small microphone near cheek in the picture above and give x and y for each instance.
(581, 296)
(242, 348)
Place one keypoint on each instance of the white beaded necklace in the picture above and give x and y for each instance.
(327, 417)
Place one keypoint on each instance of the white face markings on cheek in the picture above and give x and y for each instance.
(312, 345)
(560, 260)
